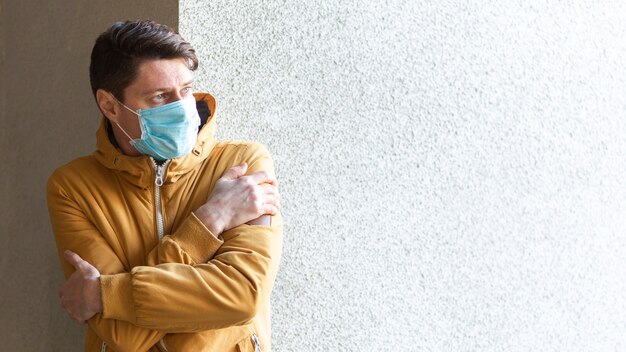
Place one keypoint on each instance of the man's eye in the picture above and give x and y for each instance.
(185, 91)
(159, 97)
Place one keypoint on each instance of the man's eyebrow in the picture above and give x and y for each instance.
(152, 91)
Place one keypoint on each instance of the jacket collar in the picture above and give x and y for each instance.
(139, 170)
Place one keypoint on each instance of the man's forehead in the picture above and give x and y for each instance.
(159, 75)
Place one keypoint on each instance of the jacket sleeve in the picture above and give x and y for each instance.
(191, 243)
(73, 231)
(227, 290)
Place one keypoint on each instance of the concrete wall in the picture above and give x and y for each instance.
(452, 171)
(49, 118)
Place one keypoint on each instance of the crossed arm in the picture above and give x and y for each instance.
(226, 280)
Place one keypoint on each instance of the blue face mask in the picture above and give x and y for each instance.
(167, 131)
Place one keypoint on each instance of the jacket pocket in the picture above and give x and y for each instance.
(249, 344)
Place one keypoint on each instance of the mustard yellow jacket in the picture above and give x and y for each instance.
(167, 283)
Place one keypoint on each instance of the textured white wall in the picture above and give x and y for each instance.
(452, 171)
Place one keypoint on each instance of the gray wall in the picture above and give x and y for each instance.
(452, 171)
(49, 118)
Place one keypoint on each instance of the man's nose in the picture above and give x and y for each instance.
(176, 97)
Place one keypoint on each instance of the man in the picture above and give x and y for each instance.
(169, 239)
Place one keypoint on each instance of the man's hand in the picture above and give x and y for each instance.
(80, 294)
(237, 199)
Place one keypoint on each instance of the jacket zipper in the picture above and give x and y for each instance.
(158, 182)
(257, 344)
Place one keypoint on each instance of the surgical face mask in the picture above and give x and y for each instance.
(167, 131)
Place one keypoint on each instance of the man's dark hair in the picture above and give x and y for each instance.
(118, 51)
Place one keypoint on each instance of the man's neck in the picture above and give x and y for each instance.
(111, 135)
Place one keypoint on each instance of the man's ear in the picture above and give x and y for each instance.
(108, 105)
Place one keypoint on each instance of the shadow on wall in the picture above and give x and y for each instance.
(49, 118)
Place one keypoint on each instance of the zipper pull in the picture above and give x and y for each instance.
(159, 176)
(257, 344)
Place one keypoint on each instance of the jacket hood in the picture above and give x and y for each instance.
(139, 170)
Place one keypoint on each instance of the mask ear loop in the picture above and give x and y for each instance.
(118, 125)
(129, 109)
